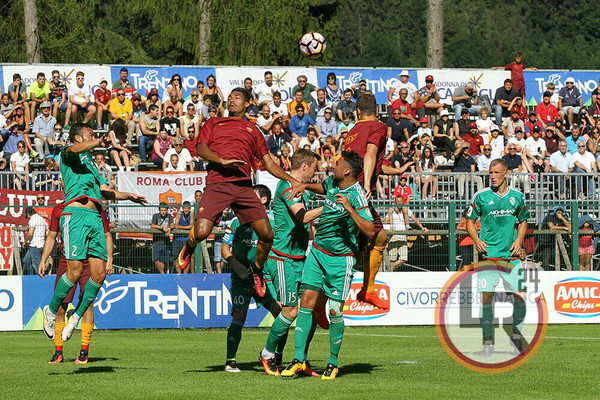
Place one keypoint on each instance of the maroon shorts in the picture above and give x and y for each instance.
(240, 197)
(363, 241)
(85, 276)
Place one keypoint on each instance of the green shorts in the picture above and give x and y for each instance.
(286, 275)
(330, 274)
(82, 234)
(242, 292)
(514, 281)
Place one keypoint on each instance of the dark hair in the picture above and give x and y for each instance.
(354, 162)
(299, 107)
(348, 90)
(211, 76)
(263, 191)
(41, 74)
(268, 73)
(15, 76)
(302, 156)
(243, 91)
(55, 72)
(163, 205)
(124, 70)
(331, 75)
(299, 90)
(171, 108)
(173, 77)
(367, 104)
(276, 94)
(248, 79)
(508, 80)
(186, 203)
(118, 127)
(206, 97)
(76, 130)
(198, 191)
(152, 108)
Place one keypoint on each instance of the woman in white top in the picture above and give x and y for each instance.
(118, 150)
(428, 164)
(19, 162)
(484, 124)
(497, 143)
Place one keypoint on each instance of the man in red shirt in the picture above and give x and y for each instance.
(546, 111)
(229, 145)
(87, 323)
(474, 139)
(516, 69)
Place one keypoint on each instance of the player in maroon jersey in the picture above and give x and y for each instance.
(229, 145)
(87, 323)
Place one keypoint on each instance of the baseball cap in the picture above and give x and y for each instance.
(429, 78)
(547, 94)
(103, 80)
(45, 104)
(515, 110)
(569, 79)
(536, 129)
(403, 176)
(424, 120)
(444, 113)
(472, 125)
(494, 128)
(464, 111)
(532, 112)
(404, 72)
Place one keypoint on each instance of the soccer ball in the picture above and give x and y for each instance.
(312, 44)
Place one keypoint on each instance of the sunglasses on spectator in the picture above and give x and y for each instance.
(396, 113)
(301, 81)
(120, 94)
(20, 146)
(487, 149)
(79, 79)
(55, 76)
(169, 112)
(178, 144)
(404, 147)
(327, 112)
(194, 95)
(57, 129)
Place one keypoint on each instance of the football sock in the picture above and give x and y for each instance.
(58, 342)
(234, 337)
(89, 294)
(519, 311)
(262, 252)
(309, 339)
(278, 332)
(336, 332)
(375, 258)
(62, 290)
(303, 327)
(281, 346)
(487, 321)
(86, 335)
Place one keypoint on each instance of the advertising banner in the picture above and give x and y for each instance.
(145, 78)
(447, 80)
(93, 74)
(536, 81)
(379, 81)
(172, 188)
(7, 244)
(11, 303)
(284, 78)
(14, 202)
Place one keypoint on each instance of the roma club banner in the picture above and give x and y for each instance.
(536, 81)
(145, 78)
(172, 188)
(284, 78)
(379, 81)
(93, 74)
(447, 80)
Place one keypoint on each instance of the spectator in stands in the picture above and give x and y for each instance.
(195, 101)
(461, 126)
(551, 140)
(398, 246)
(161, 246)
(183, 154)
(346, 105)
(173, 165)
(17, 92)
(428, 98)
(586, 247)
(327, 161)
(79, 100)
(214, 91)
(502, 100)
(19, 129)
(212, 112)
(510, 125)
(170, 122)
(465, 163)
(569, 100)
(189, 119)
(149, 129)
(551, 88)
(104, 169)
(266, 90)
(317, 108)
(6, 106)
(300, 123)
(285, 160)
(408, 119)
(574, 139)
(465, 97)
(174, 84)
(123, 83)
(560, 128)
(394, 92)
(546, 244)
(183, 221)
(516, 69)
(34, 239)
(518, 102)
(546, 112)
(423, 129)
(122, 108)
(265, 119)
(306, 87)
(532, 122)
(39, 92)
(562, 162)
(475, 141)
(326, 123)
(49, 179)
(250, 89)
(518, 140)
(276, 106)
(334, 92)
(346, 124)
(277, 140)
(593, 144)
(191, 144)
(484, 123)
(19, 162)
(396, 128)
(298, 99)
(206, 103)
(43, 128)
(427, 164)
(534, 152)
(57, 141)
(359, 88)
(403, 159)
(58, 94)
(443, 135)
(102, 98)
(173, 102)
(160, 147)
(594, 107)
(154, 100)
(3, 164)
(585, 162)
(138, 108)
(483, 163)
(118, 148)
(310, 141)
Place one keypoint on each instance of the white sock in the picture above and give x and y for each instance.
(267, 354)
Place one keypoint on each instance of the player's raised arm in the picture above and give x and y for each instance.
(112, 194)
(276, 170)
(86, 145)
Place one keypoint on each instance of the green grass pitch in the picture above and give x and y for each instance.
(376, 363)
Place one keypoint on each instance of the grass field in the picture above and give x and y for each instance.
(376, 363)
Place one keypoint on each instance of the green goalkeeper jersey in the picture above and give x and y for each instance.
(337, 233)
(499, 216)
(291, 236)
(80, 175)
(243, 240)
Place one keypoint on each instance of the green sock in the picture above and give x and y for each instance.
(89, 294)
(336, 332)
(303, 327)
(309, 339)
(281, 343)
(486, 320)
(519, 311)
(234, 337)
(62, 289)
(278, 332)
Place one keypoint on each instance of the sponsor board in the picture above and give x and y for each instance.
(14, 202)
(577, 297)
(379, 81)
(536, 81)
(284, 78)
(93, 74)
(447, 80)
(360, 311)
(145, 78)
(11, 303)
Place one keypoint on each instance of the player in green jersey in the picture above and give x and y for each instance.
(287, 255)
(81, 224)
(329, 267)
(503, 217)
(239, 245)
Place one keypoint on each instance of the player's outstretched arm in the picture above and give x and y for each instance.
(366, 227)
(82, 147)
(277, 171)
(304, 216)
(112, 194)
(298, 189)
(46, 251)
